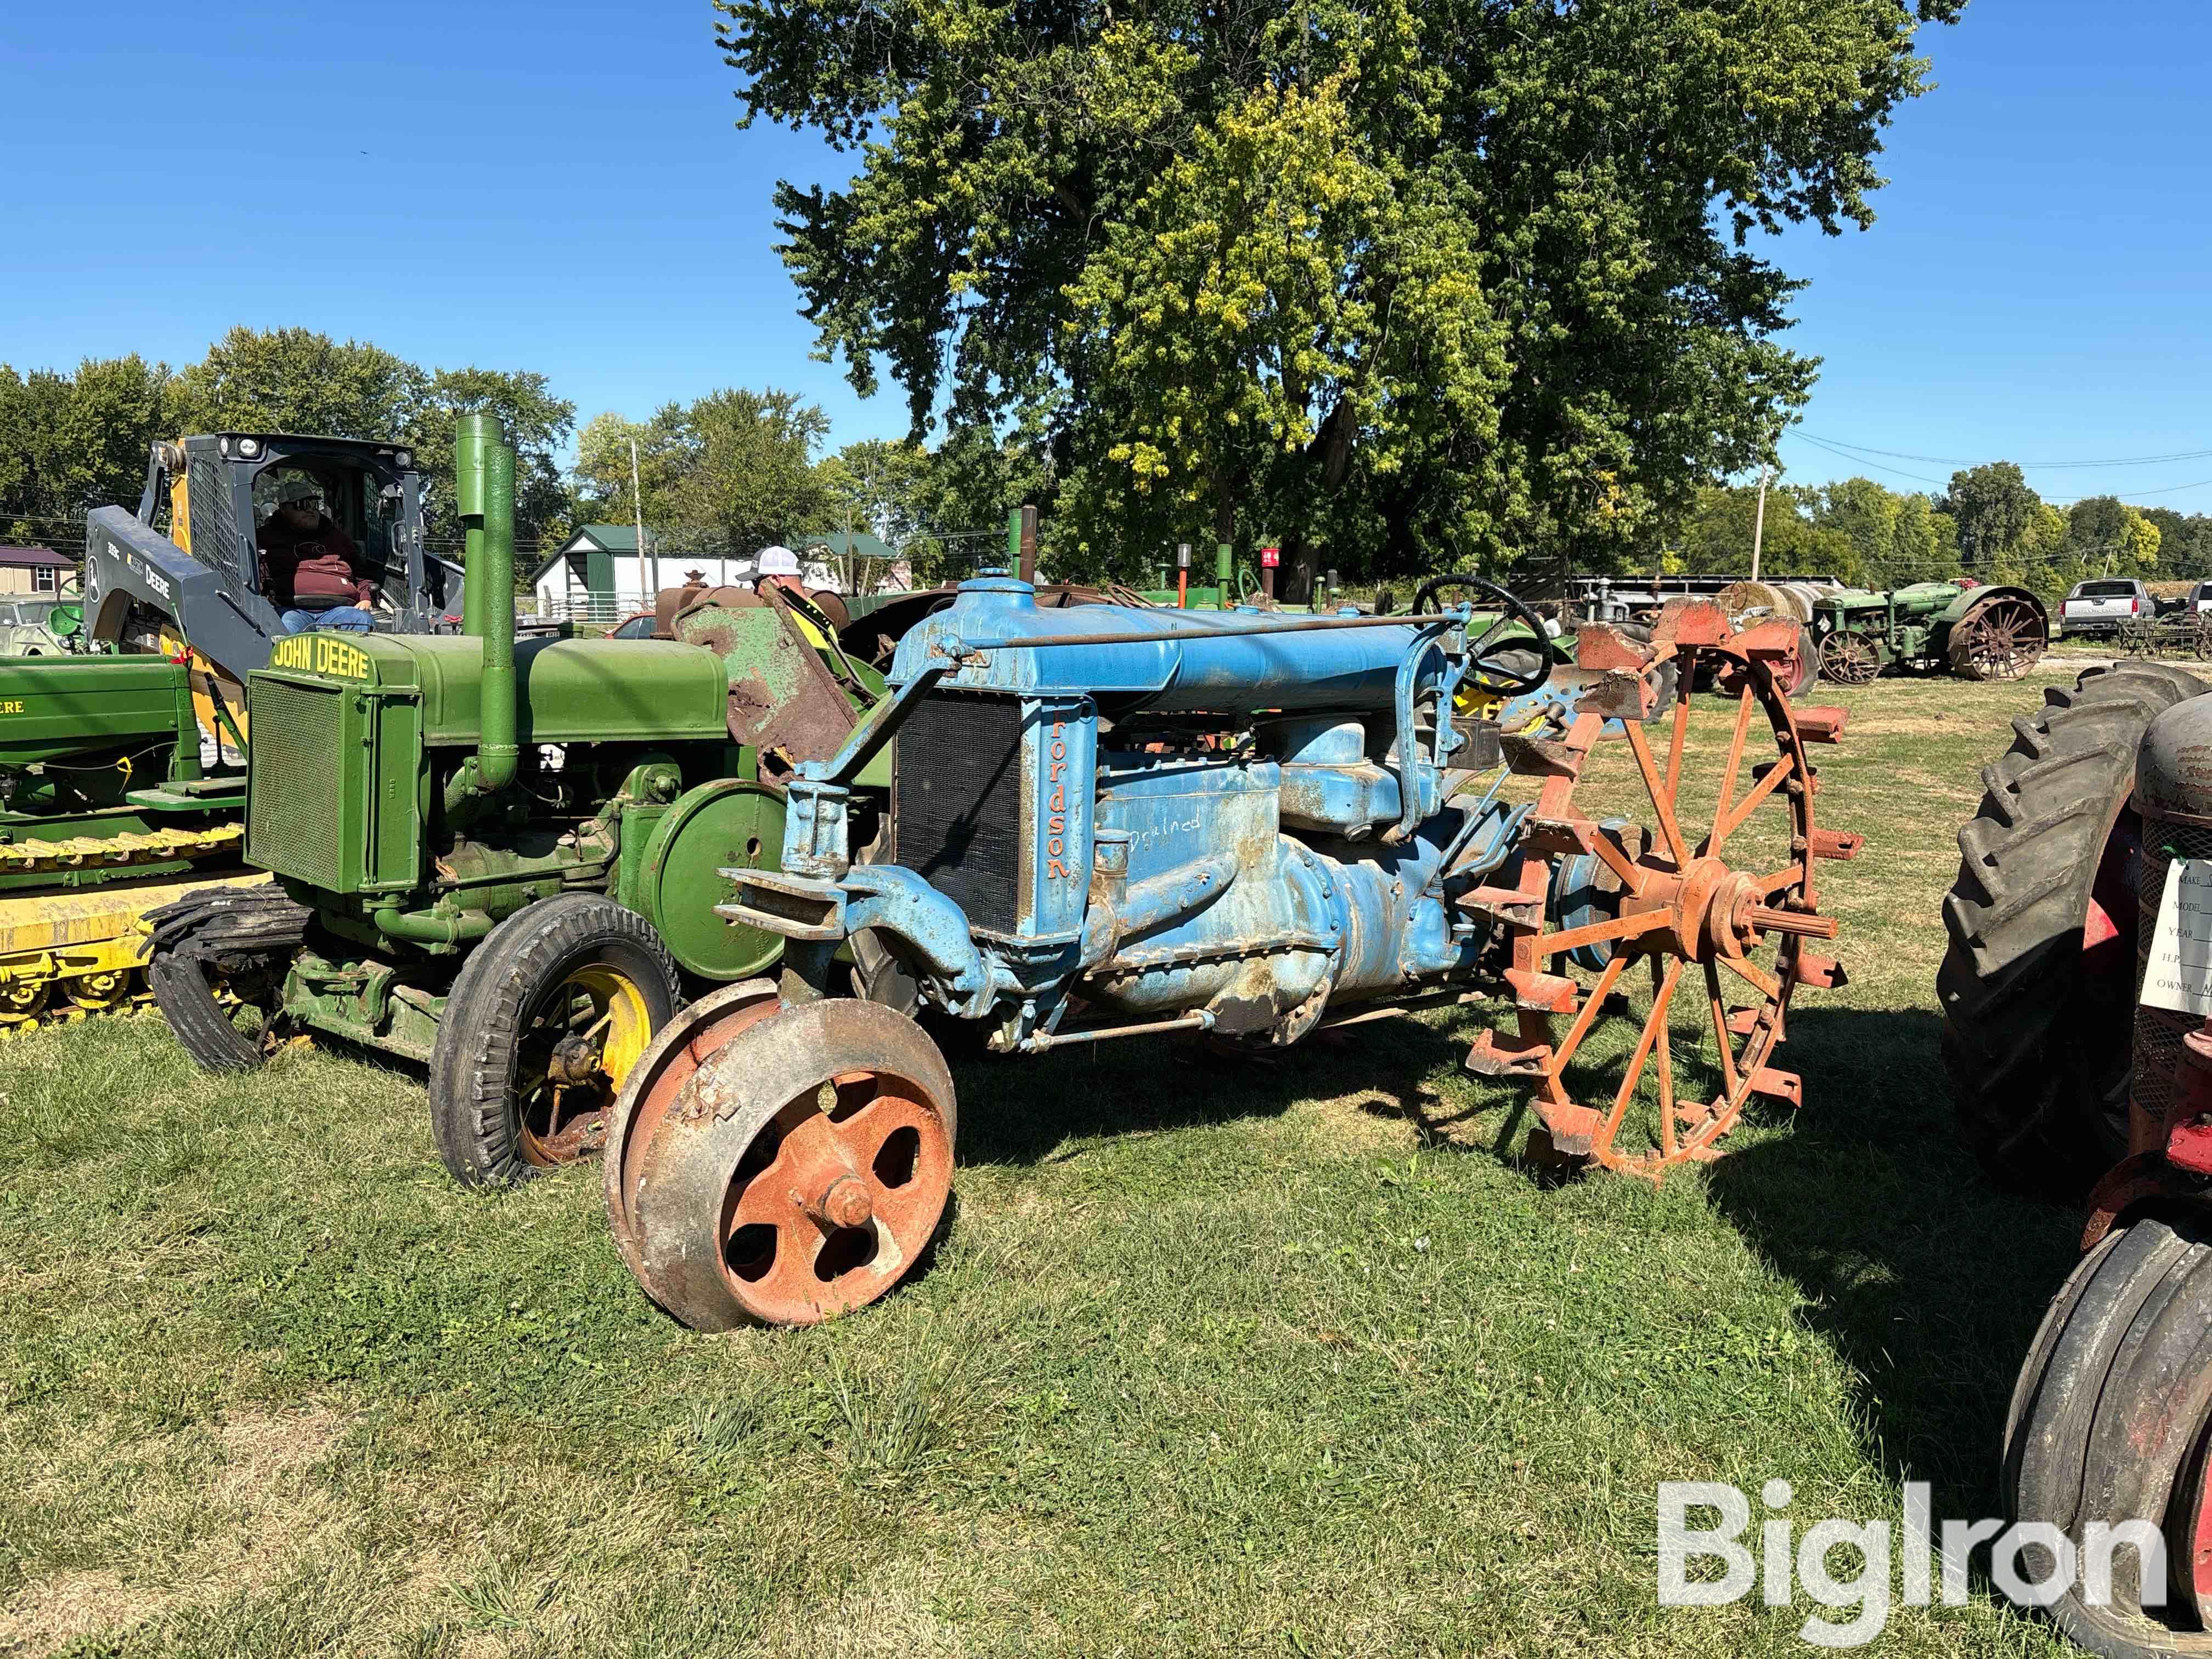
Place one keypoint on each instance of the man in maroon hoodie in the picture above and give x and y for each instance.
(309, 563)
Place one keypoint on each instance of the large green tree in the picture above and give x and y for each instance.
(728, 474)
(2107, 534)
(294, 380)
(538, 422)
(2184, 546)
(1995, 510)
(1407, 283)
(70, 441)
(1716, 536)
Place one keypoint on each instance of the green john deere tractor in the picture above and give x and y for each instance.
(1974, 631)
(499, 860)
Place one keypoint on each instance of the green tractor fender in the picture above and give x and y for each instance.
(1972, 599)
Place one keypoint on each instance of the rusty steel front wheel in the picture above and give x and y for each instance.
(1848, 659)
(779, 1165)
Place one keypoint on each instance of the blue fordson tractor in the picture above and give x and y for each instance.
(1117, 823)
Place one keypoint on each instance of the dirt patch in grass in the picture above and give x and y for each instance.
(217, 1513)
(49, 1613)
(262, 1447)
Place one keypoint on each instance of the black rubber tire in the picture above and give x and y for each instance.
(474, 1115)
(2109, 1414)
(2036, 1052)
(221, 931)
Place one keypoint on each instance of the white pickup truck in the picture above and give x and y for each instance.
(2107, 605)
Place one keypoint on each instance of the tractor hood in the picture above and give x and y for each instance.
(568, 690)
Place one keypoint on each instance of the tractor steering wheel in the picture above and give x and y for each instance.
(1508, 681)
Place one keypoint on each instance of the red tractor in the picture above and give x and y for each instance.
(2063, 1062)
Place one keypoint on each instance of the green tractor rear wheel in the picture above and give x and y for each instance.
(545, 1020)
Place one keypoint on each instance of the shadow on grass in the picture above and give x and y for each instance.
(1019, 1110)
(1928, 1280)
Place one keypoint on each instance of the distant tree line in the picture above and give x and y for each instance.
(1989, 524)
(71, 442)
(730, 472)
(736, 470)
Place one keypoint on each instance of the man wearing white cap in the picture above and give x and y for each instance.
(778, 567)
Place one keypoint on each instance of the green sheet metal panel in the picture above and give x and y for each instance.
(569, 691)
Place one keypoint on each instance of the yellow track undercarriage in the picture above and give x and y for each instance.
(65, 955)
(115, 852)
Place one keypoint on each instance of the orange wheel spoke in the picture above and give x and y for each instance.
(1777, 775)
(1781, 881)
(1661, 802)
(1756, 977)
(1584, 1020)
(1720, 1028)
(1618, 927)
(1728, 772)
(1653, 1029)
(1630, 876)
(1681, 732)
(1662, 989)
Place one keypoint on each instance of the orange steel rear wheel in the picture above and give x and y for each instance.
(1647, 1031)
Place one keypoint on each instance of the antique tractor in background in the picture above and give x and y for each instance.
(1975, 632)
(1115, 823)
(498, 859)
(2068, 1054)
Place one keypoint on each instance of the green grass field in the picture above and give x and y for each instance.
(1215, 1356)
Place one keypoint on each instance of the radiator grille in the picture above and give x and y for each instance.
(957, 807)
(296, 780)
(2158, 1031)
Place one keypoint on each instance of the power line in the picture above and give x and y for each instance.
(1956, 460)
(1941, 483)
(1897, 472)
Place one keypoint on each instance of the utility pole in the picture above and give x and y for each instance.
(1759, 523)
(637, 505)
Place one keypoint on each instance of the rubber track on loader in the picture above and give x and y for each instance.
(116, 851)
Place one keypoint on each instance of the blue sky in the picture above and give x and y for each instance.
(560, 187)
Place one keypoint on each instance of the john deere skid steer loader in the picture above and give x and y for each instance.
(122, 764)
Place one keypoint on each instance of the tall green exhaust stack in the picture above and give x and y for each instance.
(469, 444)
(483, 487)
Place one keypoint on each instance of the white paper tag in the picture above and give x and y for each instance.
(2179, 975)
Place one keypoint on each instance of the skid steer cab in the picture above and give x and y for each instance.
(210, 556)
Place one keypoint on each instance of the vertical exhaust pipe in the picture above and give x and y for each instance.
(470, 441)
(483, 479)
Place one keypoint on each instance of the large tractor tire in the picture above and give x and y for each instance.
(2038, 984)
(217, 961)
(2107, 1425)
(544, 1021)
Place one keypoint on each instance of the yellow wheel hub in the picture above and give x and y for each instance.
(596, 1026)
(618, 1004)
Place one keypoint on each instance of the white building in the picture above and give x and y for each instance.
(596, 575)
